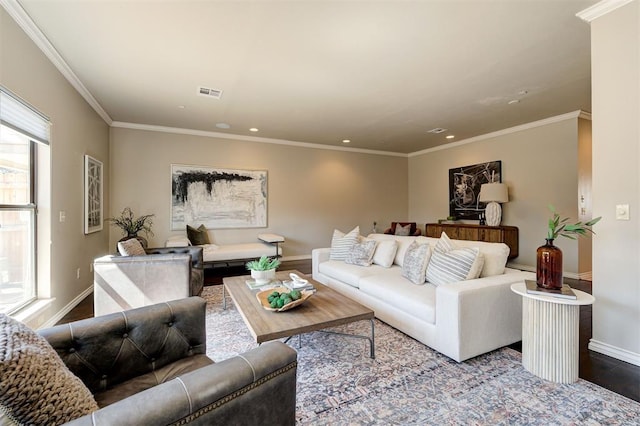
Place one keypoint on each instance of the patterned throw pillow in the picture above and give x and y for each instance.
(36, 387)
(403, 230)
(199, 236)
(449, 264)
(131, 247)
(415, 262)
(362, 253)
(342, 243)
(385, 253)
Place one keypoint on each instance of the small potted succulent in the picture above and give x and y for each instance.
(263, 270)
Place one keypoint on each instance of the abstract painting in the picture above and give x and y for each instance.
(92, 195)
(218, 198)
(464, 188)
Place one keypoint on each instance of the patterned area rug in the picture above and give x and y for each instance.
(408, 383)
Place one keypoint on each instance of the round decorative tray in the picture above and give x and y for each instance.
(263, 295)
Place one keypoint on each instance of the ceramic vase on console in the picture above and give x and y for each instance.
(549, 266)
(263, 277)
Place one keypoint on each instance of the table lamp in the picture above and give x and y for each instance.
(494, 193)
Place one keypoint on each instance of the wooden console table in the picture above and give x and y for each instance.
(466, 231)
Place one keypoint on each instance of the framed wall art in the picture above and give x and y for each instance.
(464, 188)
(218, 198)
(92, 195)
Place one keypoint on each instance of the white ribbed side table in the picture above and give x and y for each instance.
(550, 334)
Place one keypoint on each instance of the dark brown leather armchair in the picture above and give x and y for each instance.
(413, 230)
(148, 366)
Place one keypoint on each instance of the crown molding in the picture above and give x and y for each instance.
(17, 12)
(600, 9)
(503, 132)
(231, 136)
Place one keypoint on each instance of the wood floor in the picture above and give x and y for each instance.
(610, 373)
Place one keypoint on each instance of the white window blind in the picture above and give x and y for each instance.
(20, 116)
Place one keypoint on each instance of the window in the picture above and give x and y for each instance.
(22, 129)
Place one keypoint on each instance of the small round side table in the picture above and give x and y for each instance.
(550, 334)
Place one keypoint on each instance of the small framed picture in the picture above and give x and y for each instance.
(92, 195)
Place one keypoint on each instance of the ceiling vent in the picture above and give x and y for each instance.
(437, 130)
(210, 93)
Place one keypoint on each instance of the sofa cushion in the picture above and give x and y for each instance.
(391, 287)
(131, 247)
(403, 230)
(449, 264)
(403, 244)
(385, 253)
(362, 253)
(348, 274)
(36, 387)
(342, 243)
(198, 236)
(495, 256)
(415, 262)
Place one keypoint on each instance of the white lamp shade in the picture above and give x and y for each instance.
(494, 192)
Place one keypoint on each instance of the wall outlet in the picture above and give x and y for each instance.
(78, 273)
(622, 212)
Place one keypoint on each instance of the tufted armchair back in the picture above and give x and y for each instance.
(106, 351)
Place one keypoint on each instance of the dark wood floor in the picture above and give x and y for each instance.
(610, 373)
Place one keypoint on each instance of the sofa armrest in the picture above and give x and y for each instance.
(197, 264)
(318, 256)
(256, 387)
(477, 316)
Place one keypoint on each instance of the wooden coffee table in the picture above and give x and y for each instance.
(326, 308)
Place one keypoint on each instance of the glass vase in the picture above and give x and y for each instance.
(549, 266)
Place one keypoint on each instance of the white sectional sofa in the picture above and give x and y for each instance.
(461, 319)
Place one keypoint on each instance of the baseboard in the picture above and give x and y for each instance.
(615, 352)
(68, 308)
(566, 274)
(298, 257)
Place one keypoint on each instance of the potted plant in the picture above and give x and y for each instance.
(263, 270)
(131, 225)
(549, 257)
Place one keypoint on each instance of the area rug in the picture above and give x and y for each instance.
(408, 383)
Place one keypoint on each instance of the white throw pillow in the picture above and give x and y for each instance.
(362, 253)
(449, 264)
(415, 262)
(385, 253)
(342, 243)
(131, 247)
(403, 230)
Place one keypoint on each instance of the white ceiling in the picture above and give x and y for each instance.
(380, 73)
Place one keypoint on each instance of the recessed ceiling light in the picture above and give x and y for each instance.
(223, 126)
(513, 101)
(253, 129)
(181, 106)
(346, 140)
(450, 136)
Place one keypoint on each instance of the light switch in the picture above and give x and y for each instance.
(622, 212)
(63, 216)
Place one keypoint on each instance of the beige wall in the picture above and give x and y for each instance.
(615, 56)
(538, 164)
(310, 191)
(76, 130)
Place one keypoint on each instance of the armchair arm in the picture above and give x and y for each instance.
(197, 264)
(477, 316)
(257, 387)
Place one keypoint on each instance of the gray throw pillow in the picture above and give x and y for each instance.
(415, 262)
(403, 231)
(36, 387)
(362, 253)
(198, 236)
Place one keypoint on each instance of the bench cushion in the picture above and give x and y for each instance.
(217, 253)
